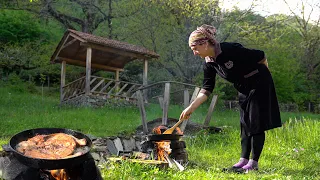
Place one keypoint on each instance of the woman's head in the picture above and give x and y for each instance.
(202, 34)
(202, 41)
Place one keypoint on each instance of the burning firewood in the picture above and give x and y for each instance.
(59, 174)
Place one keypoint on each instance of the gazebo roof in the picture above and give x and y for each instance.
(107, 54)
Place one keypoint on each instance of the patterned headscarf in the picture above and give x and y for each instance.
(205, 33)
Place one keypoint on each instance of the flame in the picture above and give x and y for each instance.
(163, 150)
(59, 174)
(163, 147)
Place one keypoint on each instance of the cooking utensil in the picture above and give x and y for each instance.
(50, 163)
(170, 130)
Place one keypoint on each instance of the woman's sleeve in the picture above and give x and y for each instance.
(252, 55)
(209, 79)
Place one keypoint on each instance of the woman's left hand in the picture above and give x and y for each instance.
(186, 113)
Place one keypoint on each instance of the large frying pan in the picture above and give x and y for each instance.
(161, 137)
(50, 163)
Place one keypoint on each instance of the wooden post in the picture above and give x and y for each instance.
(166, 104)
(211, 108)
(88, 70)
(117, 79)
(142, 112)
(186, 98)
(63, 79)
(145, 79)
(161, 102)
(194, 96)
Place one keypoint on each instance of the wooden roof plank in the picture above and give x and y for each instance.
(95, 66)
(113, 50)
(109, 54)
(69, 43)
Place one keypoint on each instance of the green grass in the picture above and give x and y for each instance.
(291, 152)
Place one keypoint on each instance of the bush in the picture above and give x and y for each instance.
(16, 84)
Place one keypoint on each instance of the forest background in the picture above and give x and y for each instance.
(30, 30)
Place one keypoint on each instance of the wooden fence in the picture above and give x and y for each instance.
(101, 86)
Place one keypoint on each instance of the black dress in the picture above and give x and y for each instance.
(259, 109)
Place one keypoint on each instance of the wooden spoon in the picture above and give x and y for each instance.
(170, 130)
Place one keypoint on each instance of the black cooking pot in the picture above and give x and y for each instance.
(50, 163)
(160, 137)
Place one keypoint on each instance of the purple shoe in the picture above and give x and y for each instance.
(242, 162)
(252, 165)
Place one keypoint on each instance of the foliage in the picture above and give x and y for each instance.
(291, 43)
(20, 27)
(17, 85)
(290, 152)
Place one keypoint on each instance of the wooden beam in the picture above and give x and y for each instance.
(106, 86)
(95, 66)
(117, 79)
(77, 37)
(166, 104)
(121, 52)
(145, 72)
(116, 84)
(95, 87)
(194, 95)
(142, 112)
(122, 88)
(69, 43)
(160, 98)
(211, 108)
(63, 80)
(60, 48)
(145, 79)
(88, 70)
(186, 97)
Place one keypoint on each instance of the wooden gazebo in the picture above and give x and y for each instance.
(90, 51)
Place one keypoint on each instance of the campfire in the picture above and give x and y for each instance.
(162, 150)
(59, 174)
(163, 147)
(49, 154)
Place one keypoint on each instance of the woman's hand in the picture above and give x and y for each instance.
(186, 113)
(193, 106)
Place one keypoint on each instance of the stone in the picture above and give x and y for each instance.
(114, 146)
(100, 148)
(129, 144)
(138, 146)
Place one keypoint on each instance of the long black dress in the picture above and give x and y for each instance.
(259, 109)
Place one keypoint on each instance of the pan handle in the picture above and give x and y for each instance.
(7, 148)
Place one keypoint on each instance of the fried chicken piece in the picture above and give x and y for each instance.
(52, 146)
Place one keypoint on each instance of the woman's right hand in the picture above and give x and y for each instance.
(186, 113)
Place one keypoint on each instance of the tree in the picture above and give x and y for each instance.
(309, 30)
(83, 14)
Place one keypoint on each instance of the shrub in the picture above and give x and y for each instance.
(16, 84)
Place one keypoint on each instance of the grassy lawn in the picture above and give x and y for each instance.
(291, 152)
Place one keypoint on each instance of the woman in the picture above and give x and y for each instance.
(248, 70)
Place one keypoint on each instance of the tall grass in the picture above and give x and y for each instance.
(291, 152)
